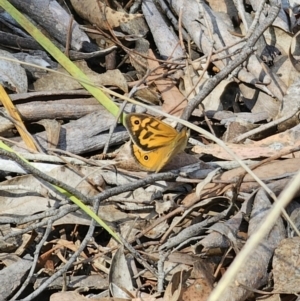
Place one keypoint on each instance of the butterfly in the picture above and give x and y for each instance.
(155, 143)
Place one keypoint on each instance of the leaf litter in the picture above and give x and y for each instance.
(181, 229)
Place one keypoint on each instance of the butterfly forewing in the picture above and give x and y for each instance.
(150, 133)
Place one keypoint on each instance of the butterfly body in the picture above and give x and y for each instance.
(154, 142)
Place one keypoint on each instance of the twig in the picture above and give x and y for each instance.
(194, 230)
(262, 128)
(160, 270)
(135, 184)
(256, 18)
(35, 259)
(28, 219)
(70, 261)
(20, 125)
(172, 18)
(69, 36)
(138, 256)
(61, 213)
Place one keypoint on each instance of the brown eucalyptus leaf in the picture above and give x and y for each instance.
(98, 13)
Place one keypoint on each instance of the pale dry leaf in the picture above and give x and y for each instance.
(282, 66)
(158, 230)
(257, 101)
(92, 282)
(68, 296)
(35, 72)
(290, 105)
(270, 170)
(164, 206)
(12, 75)
(190, 83)
(147, 95)
(14, 202)
(12, 276)
(10, 244)
(119, 275)
(27, 204)
(26, 241)
(227, 7)
(58, 82)
(282, 38)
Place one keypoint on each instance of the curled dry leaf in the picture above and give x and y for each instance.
(290, 105)
(98, 13)
(120, 275)
(52, 128)
(295, 62)
(264, 148)
(202, 286)
(176, 286)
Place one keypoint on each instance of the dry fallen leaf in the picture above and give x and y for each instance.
(98, 13)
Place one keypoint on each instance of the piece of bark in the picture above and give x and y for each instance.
(59, 109)
(53, 18)
(87, 134)
(12, 276)
(165, 40)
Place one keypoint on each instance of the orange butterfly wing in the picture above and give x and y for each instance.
(155, 142)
